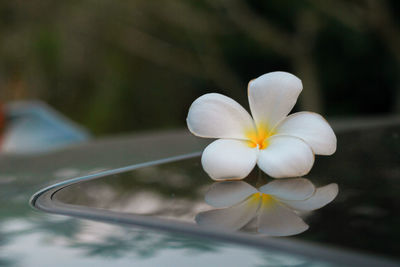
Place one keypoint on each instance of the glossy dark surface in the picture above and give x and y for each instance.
(363, 217)
(365, 214)
(29, 237)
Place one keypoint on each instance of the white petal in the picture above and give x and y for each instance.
(322, 196)
(232, 218)
(312, 128)
(277, 220)
(286, 156)
(218, 116)
(272, 96)
(228, 193)
(289, 189)
(226, 159)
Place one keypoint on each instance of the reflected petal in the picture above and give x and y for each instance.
(278, 220)
(228, 193)
(227, 159)
(232, 218)
(322, 196)
(312, 128)
(289, 189)
(286, 156)
(218, 116)
(272, 96)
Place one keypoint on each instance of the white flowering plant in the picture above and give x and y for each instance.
(281, 145)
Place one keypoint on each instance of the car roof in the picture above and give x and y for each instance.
(25, 227)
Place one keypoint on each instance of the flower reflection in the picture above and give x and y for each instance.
(273, 207)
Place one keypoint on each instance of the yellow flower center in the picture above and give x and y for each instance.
(259, 138)
(264, 198)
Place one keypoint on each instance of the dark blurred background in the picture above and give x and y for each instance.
(121, 66)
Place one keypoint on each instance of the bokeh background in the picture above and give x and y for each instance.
(123, 66)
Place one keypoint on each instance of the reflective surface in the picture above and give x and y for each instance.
(176, 191)
(33, 238)
(173, 190)
(68, 242)
(364, 215)
(270, 210)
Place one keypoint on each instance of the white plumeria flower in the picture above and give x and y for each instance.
(281, 145)
(273, 207)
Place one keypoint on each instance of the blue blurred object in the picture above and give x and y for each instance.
(34, 127)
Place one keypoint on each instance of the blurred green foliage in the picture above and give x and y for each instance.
(118, 66)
